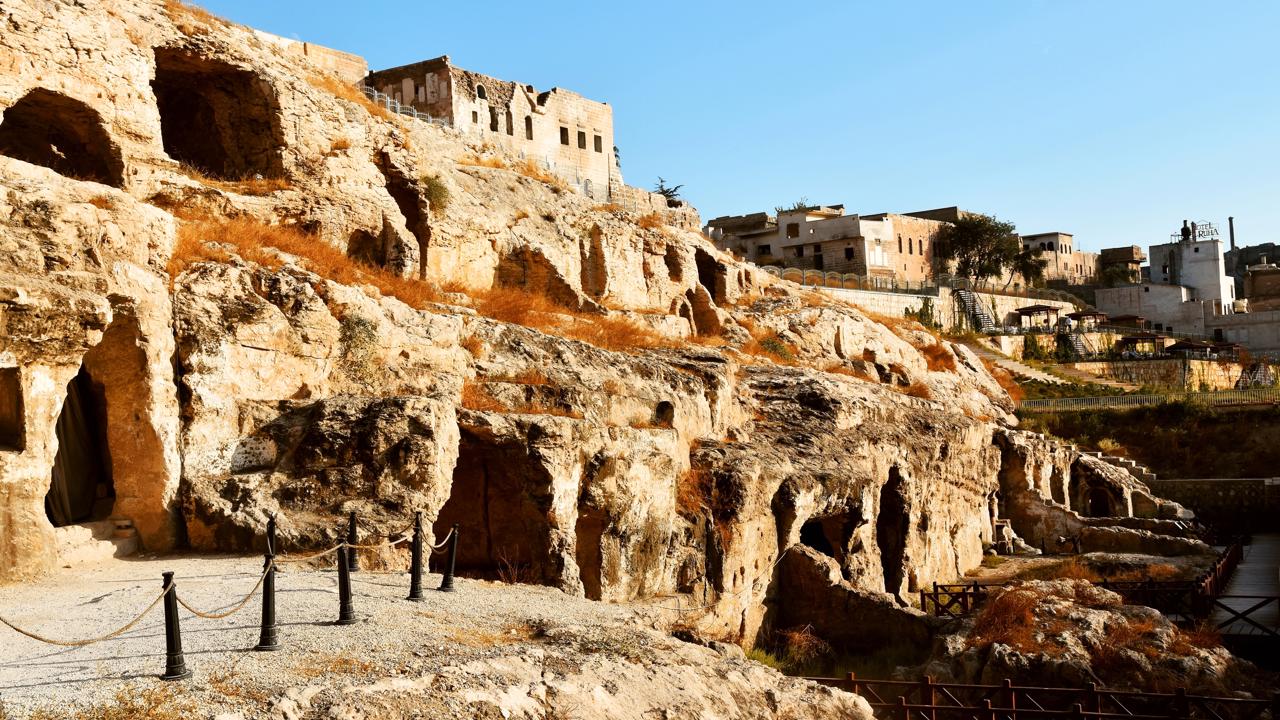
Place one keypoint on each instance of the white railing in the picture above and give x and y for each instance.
(1252, 396)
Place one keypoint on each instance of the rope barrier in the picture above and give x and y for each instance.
(385, 543)
(81, 643)
(312, 556)
(234, 610)
(440, 547)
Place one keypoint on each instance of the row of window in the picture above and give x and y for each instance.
(911, 245)
(582, 139)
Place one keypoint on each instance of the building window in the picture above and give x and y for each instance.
(1146, 289)
(799, 251)
(599, 141)
(848, 253)
(1050, 246)
(511, 130)
(911, 246)
(899, 243)
(564, 136)
(481, 93)
(763, 250)
(528, 127)
(475, 117)
(793, 230)
(582, 140)
(493, 120)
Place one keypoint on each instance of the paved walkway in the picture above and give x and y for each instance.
(1256, 579)
(1019, 369)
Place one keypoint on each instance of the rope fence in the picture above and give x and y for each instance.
(175, 662)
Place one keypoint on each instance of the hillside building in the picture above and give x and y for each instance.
(1065, 263)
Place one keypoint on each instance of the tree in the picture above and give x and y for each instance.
(980, 245)
(1113, 275)
(1028, 265)
(797, 206)
(668, 192)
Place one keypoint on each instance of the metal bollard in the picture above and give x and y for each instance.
(346, 612)
(352, 564)
(175, 667)
(446, 585)
(269, 638)
(415, 563)
(271, 534)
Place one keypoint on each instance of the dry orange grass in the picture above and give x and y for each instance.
(476, 397)
(693, 492)
(650, 221)
(255, 242)
(475, 346)
(1201, 637)
(103, 202)
(938, 358)
(842, 369)
(191, 20)
(530, 169)
(540, 313)
(339, 145)
(608, 207)
(917, 390)
(769, 345)
(525, 377)
(347, 91)
(257, 186)
(477, 161)
(1005, 380)
(1008, 618)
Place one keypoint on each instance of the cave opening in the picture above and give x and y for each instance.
(365, 247)
(12, 413)
(589, 533)
(409, 200)
(81, 487)
(709, 275)
(63, 134)
(892, 523)
(221, 120)
(672, 260)
(500, 500)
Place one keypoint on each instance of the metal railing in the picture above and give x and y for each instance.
(926, 699)
(1217, 398)
(853, 281)
(399, 108)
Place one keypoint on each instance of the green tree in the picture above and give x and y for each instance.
(670, 192)
(1028, 265)
(1113, 275)
(980, 245)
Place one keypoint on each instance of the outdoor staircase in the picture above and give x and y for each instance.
(1136, 469)
(974, 310)
(1084, 378)
(92, 542)
(1079, 349)
(1017, 369)
(1256, 375)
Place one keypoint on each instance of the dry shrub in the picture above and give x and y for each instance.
(1112, 656)
(608, 207)
(475, 346)
(1073, 569)
(917, 390)
(693, 492)
(938, 357)
(520, 215)
(530, 169)
(103, 202)
(1005, 380)
(321, 665)
(539, 408)
(801, 646)
(254, 241)
(249, 185)
(1201, 637)
(1159, 572)
(347, 91)
(227, 683)
(513, 572)
(514, 305)
(477, 161)
(1007, 618)
(191, 20)
(339, 145)
(476, 397)
(156, 702)
(529, 376)
(650, 221)
(770, 345)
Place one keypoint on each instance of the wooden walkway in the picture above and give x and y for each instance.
(1256, 583)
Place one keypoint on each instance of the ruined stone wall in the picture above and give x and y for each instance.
(1177, 373)
(349, 67)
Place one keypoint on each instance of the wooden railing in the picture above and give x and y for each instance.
(928, 700)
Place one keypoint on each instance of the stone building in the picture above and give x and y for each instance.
(1129, 259)
(1065, 262)
(557, 128)
(886, 248)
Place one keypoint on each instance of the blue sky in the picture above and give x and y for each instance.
(1112, 120)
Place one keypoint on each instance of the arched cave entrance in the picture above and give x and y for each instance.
(500, 500)
(363, 246)
(1099, 503)
(1091, 499)
(891, 531)
(81, 488)
(65, 135)
(409, 200)
(710, 275)
(220, 119)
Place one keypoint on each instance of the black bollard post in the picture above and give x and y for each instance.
(352, 564)
(415, 563)
(269, 638)
(446, 585)
(175, 667)
(271, 534)
(346, 613)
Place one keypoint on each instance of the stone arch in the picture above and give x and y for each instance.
(680, 307)
(80, 488)
(481, 93)
(218, 118)
(500, 499)
(63, 134)
(710, 274)
(665, 413)
(892, 525)
(529, 269)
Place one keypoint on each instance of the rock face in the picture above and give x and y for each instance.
(255, 379)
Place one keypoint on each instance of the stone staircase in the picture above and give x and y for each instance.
(1136, 469)
(1017, 369)
(1077, 345)
(1082, 377)
(976, 313)
(92, 542)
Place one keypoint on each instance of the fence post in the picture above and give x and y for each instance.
(923, 607)
(1180, 708)
(988, 713)
(904, 713)
(415, 562)
(446, 583)
(929, 696)
(1077, 712)
(175, 666)
(352, 564)
(1010, 697)
(269, 637)
(1092, 698)
(271, 534)
(853, 681)
(346, 612)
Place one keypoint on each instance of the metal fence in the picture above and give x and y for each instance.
(1251, 396)
(395, 106)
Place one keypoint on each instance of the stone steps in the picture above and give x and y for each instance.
(1018, 369)
(92, 542)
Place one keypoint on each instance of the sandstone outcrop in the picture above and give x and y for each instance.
(234, 379)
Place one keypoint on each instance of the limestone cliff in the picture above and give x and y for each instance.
(287, 301)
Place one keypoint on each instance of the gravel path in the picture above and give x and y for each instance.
(392, 632)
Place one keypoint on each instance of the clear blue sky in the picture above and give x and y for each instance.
(1113, 120)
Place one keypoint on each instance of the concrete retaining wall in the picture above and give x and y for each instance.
(1229, 504)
